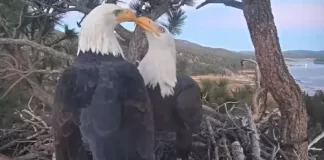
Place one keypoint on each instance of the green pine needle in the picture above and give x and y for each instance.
(175, 21)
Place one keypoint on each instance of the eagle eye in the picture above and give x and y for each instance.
(117, 12)
(161, 29)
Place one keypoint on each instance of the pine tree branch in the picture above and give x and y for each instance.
(159, 11)
(4, 26)
(10, 41)
(80, 7)
(230, 3)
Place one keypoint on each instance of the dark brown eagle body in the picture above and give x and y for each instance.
(101, 105)
(175, 98)
(180, 112)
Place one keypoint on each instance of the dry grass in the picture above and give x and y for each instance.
(245, 77)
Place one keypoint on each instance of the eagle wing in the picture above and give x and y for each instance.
(73, 92)
(108, 107)
(138, 114)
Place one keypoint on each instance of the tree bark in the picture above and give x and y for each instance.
(277, 80)
(137, 45)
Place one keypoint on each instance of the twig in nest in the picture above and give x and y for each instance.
(209, 150)
(29, 121)
(14, 84)
(210, 111)
(319, 137)
(214, 121)
(10, 133)
(31, 113)
(229, 116)
(275, 151)
(270, 143)
(12, 58)
(37, 118)
(315, 149)
(29, 156)
(255, 136)
(237, 151)
(212, 134)
(204, 98)
(228, 154)
(15, 142)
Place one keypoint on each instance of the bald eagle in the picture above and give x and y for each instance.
(176, 99)
(101, 107)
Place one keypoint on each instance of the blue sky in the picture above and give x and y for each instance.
(300, 24)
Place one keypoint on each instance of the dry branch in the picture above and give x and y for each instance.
(319, 137)
(216, 138)
(10, 41)
(80, 6)
(237, 151)
(30, 144)
(211, 135)
(223, 141)
(259, 97)
(255, 136)
(230, 3)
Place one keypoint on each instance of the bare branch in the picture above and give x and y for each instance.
(12, 58)
(14, 84)
(4, 25)
(255, 136)
(77, 6)
(230, 3)
(16, 29)
(237, 151)
(25, 76)
(40, 93)
(259, 98)
(213, 140)
(319, 137)
(10, 41)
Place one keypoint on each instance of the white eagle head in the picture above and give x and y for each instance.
(97, 29)
(159, 64)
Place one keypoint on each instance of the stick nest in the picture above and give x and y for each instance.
(232, 135)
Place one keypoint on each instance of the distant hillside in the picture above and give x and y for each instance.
(295, 53)
(201, 60)
(205, 60)
(303, 54)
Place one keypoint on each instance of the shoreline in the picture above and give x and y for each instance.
(246, 77)
(300, 59)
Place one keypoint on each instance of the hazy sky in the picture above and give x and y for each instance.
(300, 24)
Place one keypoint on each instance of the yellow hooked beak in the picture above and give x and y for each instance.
(148, 25)
(126, 15)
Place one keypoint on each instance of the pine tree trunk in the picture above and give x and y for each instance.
(277, 79)
(138, 46)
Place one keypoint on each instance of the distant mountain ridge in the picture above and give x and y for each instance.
(202, 59)
(205, 60)
(295, 53)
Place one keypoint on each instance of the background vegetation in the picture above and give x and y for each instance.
(37, 53)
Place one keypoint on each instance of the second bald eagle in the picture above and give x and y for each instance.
(176, 99)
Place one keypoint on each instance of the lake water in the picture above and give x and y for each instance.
(309, 76)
